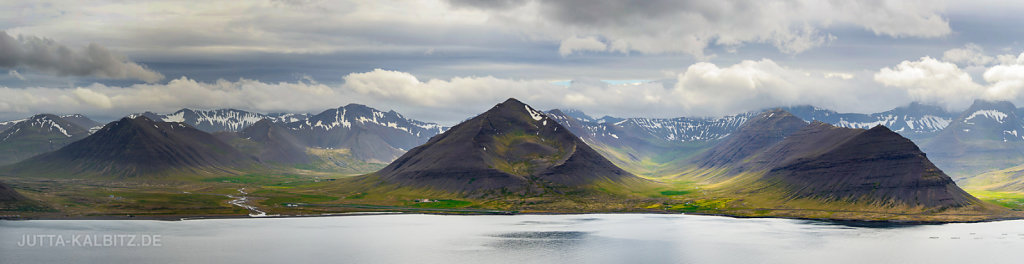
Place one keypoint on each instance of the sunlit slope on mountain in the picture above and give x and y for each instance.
(651, 147)
(636, 151)
(274, 145)
(1004, 180)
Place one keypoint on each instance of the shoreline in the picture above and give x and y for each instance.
(847, 222)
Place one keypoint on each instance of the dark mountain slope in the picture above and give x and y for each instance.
(135, 148)
(876, 166)
(511, 148)
(810, 141)
(758, 133)
(8, 195)
(277, 144)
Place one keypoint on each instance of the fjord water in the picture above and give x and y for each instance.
(591, 238)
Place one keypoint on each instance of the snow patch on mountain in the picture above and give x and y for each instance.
(536, 115)
(996, 115)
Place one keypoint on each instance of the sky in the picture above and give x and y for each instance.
(447, 60)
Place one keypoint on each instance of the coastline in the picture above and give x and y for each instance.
(840, 221)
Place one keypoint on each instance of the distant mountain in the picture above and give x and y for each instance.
(369, 134)
(915, 121)
(4, 125)
(83, 121)
(777, 155)
(231, 120)
(510, 149)
(987, 136)
(646, 145)
(758, 133)
(137, 147)
(41, 133)
(276, 143)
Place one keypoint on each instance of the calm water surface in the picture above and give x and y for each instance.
(609, 238)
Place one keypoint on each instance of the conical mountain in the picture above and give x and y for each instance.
(277, 144)
(38, 134)
(876, 166)
(135, 147)
(511, 148)
(758, 133)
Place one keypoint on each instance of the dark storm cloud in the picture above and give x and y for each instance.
(47, 55)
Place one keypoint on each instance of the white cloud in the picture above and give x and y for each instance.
(47, 55)
(932, 81)
(574, 44)
(113, 101)
(703, 89)
(970, 55)
(15, 74)
(839, 75)
(941, 82)
(706, 89)
(88, 96)
(1006, 80)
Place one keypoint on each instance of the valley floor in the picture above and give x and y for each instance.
(286, 195)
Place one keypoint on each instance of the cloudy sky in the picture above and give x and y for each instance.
(446, 60)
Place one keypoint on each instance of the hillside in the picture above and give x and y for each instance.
(137, 147)
(510, 149)
(824, 167)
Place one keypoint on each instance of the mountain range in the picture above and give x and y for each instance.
(772, 159)
(41, 133)
(914, 121)
(987, 136)
(231, 120)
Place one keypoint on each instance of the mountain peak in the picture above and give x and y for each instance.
(510, 147)
(983, 103)
(513, 107)
(43, 116)
(881, 129)
(513, 101)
